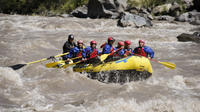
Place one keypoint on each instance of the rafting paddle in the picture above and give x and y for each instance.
(105, 56)
(167, 64)
(53, 64)
(18, 66)
(67, 65)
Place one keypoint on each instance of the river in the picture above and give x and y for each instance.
(36, 88)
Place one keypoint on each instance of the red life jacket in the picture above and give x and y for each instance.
(128, 52)
(141, 52)
(80, 53)
(116, 53)
(94, 53)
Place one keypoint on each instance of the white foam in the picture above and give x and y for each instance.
(10, 76)
(156, 105)
(178, 82)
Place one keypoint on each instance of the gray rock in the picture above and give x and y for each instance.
(106, 8)
(191, 17)
(165, 18)
(172, 9)
(188, 3)
(128, 19)
(175, 10)
(195, 37)
(141, 12)
(80, 12)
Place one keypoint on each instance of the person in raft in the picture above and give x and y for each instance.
(91, 54)
(128, 51)
(108, 47)
(143, 50)
(117, 54)
(69, 44)
(76, 52)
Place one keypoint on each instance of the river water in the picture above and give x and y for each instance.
(36, 88)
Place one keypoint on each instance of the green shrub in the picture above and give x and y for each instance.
(39, 6)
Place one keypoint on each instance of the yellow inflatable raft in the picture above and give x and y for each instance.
(124, 70)
(127, 69)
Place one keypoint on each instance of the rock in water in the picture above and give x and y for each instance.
(80, 12)
(128, 19)
(195, 37)
(165, 18)
(106, 8)
(192, 17)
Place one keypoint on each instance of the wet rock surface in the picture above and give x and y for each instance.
(128, 19)
(192, 17)
(184, 37)
(106, 8)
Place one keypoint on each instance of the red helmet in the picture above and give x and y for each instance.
(141, 41)
(111, 39)
(93, 42)
(121, 43)
(79, 42)
(127, 42)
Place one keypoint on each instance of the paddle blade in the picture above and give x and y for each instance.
(55, 64)
(18, 66)
(50, 65)
(104, 56)
(168, 64)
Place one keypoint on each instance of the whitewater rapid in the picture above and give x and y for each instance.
(37, 88)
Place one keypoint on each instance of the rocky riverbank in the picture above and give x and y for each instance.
(134, 13)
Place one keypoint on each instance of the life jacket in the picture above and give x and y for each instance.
(140, 51)
(128, 52)
(94, 53)
(80, 53)
(116, 53)
(111, 50)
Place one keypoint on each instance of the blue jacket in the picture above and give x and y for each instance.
(74, 52)
(147, 50)
(87, 51)
(107, 49)
(120, 52)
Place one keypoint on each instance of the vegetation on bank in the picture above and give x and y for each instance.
(46, 7)
(41, 7)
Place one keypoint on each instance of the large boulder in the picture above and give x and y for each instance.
(106, 8)
(191, 17)
(195, 37)
(128, 19)
(173, 9)
(197, 4)
(141, 12)
(188, 4)
(80, 12)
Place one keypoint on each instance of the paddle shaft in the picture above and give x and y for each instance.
(78, 61)
(166, 64)
(18, 66)
(44, 59)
